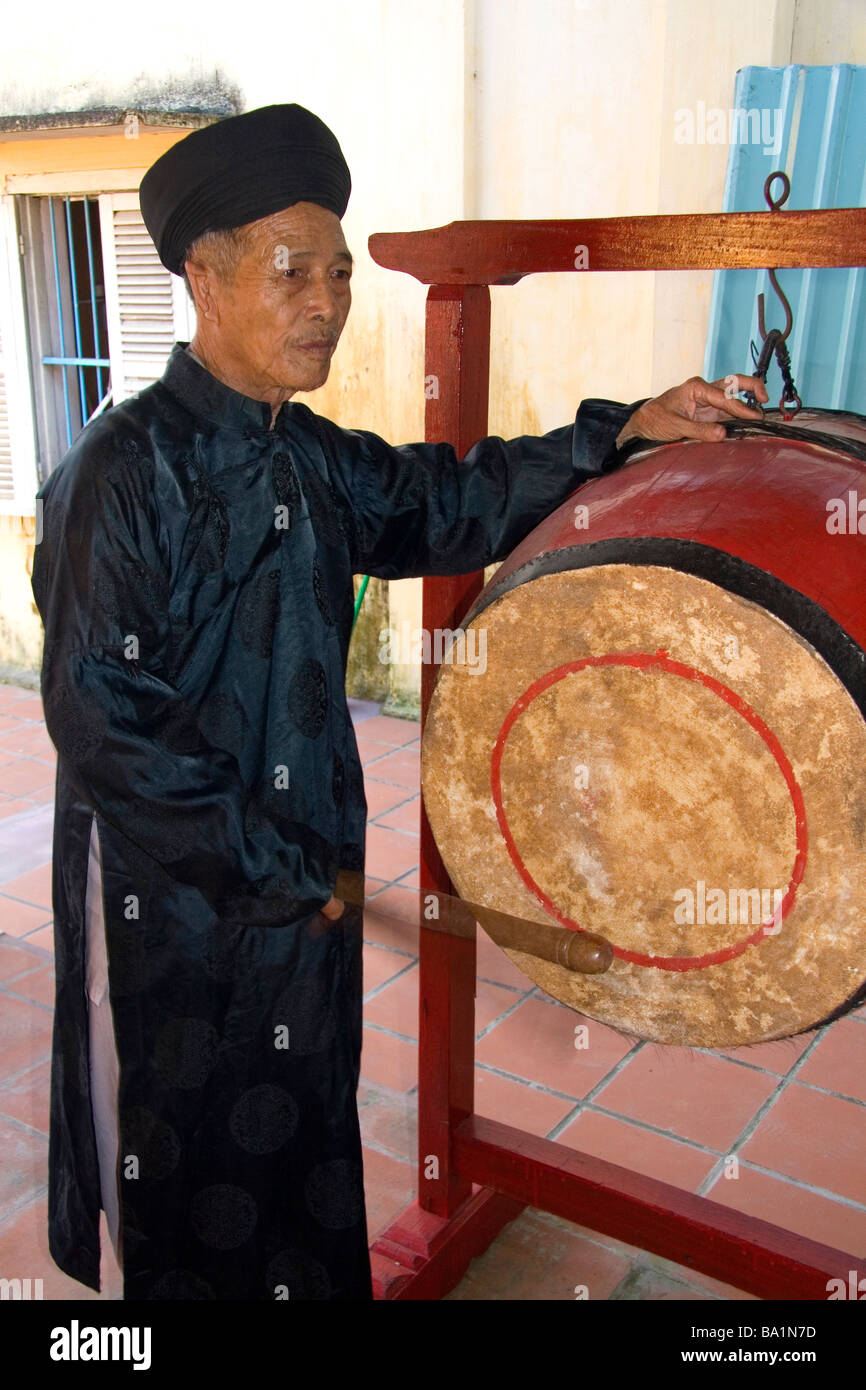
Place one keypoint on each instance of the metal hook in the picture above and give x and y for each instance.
(789, 317)
(775, 204)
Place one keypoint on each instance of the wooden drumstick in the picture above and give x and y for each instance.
(583, 952)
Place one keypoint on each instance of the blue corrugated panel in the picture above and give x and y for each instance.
(817, 117)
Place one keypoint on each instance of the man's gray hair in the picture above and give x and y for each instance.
(221, 250)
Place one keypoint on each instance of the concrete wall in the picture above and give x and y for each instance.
(20, 628)
(466, 108)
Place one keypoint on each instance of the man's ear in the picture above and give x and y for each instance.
(202, 283)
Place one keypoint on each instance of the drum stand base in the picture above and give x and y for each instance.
(422, 1256)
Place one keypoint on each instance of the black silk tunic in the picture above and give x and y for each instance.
(195, 582)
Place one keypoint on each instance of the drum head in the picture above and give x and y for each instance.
(633, 750)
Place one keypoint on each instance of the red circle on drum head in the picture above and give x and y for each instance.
(658, 661)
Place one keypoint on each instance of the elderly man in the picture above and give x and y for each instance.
(195, 581)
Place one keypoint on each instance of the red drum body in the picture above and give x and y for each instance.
(651, 726)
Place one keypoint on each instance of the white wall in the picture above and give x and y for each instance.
(469, 108)
(465, 108)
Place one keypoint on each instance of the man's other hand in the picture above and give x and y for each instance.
(333, 909)
(691, 410)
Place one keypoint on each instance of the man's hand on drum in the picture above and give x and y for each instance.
(693, 410)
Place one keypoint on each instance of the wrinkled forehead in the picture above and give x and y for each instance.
(304, 230)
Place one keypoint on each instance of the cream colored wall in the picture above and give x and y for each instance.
(704, 47)
(829, 32)
(20, 628)
(470, 108)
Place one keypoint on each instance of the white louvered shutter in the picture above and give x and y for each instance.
(18, 476)
(7, 483)
(146, 306)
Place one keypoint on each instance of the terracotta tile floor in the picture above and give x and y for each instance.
(793, 1113)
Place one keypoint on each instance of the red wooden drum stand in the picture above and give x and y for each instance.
(484, 1172)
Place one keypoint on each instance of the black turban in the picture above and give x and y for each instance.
(238, 170)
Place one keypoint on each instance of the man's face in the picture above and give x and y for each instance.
(281, 316)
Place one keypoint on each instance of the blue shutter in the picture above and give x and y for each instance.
(821, 145)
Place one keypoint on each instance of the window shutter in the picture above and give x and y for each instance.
(18, 474)
(146, 305)
(7, 483)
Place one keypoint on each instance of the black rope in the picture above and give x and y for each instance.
(774, 346)
(790, 402)
(774, 428)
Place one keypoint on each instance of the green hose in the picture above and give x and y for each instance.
(365, 580)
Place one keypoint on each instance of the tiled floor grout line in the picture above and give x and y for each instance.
(702, 1189)
(395, 829)
(25, 1127)
(401, 921)
(538, 1086)
(22, 974)
(387, 750)
(11, 1213)
(763, 1109)
(532, 1085)
(14, 1077)
(30, 1129)
(586, 1101)
(663, 1133)
(639, 1267)
(25, 999)
(394, 950)
(561, 1125)
(628, 1281)
(637, 1046)
(644, 1259)
(824, 1192)
(397, 882)
(413, 958)
(25, 901)
(410, 796)
(390, 1033)
(377, 989)
(740, 1061)
(388, 1092)
(18, 1076)
(382, 1149)
(375, 822)
(397, 786)
(503, 984)
(17, 757)
(31, 946)
(588, 1105)
(837, 1095)
(500, 1018)
(38, 953)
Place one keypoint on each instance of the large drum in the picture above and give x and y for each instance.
(651, 727)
